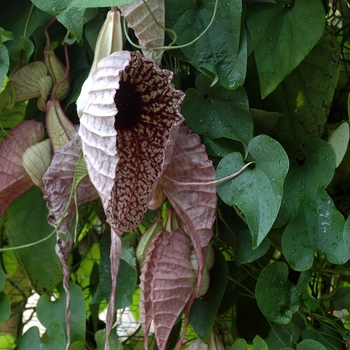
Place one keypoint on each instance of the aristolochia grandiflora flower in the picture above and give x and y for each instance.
(128, 130)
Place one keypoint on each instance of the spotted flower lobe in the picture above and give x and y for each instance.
(128, 130)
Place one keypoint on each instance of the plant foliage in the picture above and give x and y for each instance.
(175, 174)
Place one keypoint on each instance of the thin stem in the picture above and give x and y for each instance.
(28, 19)
(214, 182)
(171, 45)
(66, 74)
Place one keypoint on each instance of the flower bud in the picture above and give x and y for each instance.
(146, 239)
(36, 160)
(109, 40)
(158, 198)
(56, 71)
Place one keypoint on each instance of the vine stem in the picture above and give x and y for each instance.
(214, 182)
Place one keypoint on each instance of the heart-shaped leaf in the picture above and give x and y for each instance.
(216, 112)
(222, 58)
(282, 38)
(54, 311)
(273, 285)
(256, 192)
(315, 169)
(25, 224)
(318, 228)
(53, 339)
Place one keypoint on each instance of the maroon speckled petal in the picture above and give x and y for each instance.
(128, 131)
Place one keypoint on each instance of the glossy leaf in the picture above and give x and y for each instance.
(338, 138)
(4, 63)
(218, 113)
(70, 16)
(53, 339)
(318, 228)
(5, 307)
(126, 280)
(305, 96)
(282, 38)
(220, 58)
(245, 251)
(167, 283)
(14, 179)
(26, 223)
(54, 311)
(309, 344)
(314, 169)
(204, 309)
(257, 192)
(273, 285)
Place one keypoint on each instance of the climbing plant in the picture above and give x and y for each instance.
(180, 163)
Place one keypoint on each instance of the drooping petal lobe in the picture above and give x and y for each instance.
(59, 179)
(185, 183)
(128, 131)
(167, 283)
(14, 180)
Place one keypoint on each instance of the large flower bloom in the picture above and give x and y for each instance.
(128, 130)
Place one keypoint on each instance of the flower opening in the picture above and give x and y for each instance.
(140, 121)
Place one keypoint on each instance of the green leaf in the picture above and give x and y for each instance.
(5, 35)
(273, 285)
(2, 279)
(5, 307)
(283, 336)
(77, 346)
(326, 333)
(305, 96)
(98, 3)
(100, 338)
(315, 169)
(310, 344)
(4, 63)
(54, 311)
(221, 147)
(26, 222)
(203, 310)
(216, 112)
(303, 286)
(20, 48)
(70, 16)
(259, 344)
(282, 38)
(9, 118)
(340, 299)
(127, 275)
(224, 58)
(256, 192)
(316, 229)
(239, 344)
(245, 252)
(53, 339)
(338, 138)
